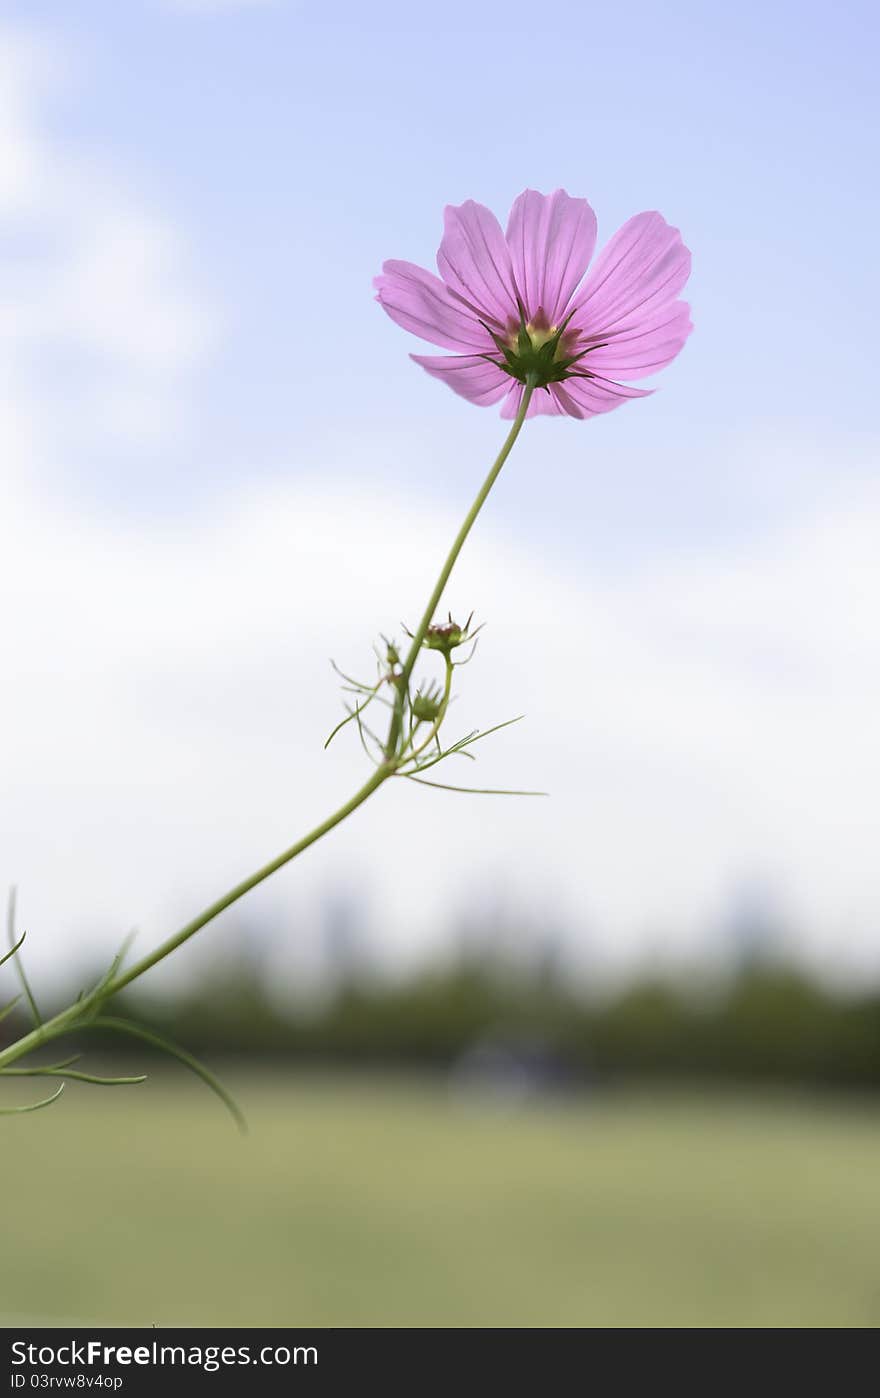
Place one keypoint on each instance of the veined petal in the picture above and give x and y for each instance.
(643, 267)
(474, 261)
(583, 397)
(551, 239)
(473, 377)
(542, 402)
(644, 346)
(421, 303)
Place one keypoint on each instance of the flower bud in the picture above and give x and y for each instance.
(447, 635)
(425, 707)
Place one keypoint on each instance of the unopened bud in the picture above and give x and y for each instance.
(447, 635)
(425, 708)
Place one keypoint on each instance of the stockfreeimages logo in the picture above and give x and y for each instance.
(210, 1358)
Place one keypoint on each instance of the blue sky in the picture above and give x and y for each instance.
(197, 195)
(295, 153)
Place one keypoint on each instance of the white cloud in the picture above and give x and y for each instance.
(100, 326)
(163, 731)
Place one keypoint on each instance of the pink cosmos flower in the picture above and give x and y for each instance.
(516, 307)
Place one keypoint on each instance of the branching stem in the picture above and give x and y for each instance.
(84, 1009)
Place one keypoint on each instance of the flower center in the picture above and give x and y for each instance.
(536, 351)
(539, 334)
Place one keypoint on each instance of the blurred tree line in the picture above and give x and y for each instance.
(767, 1021)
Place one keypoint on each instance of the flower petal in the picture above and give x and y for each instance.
(543, 402)
(420, 302)
(474, 261)
(470, 375)
(585, 397)
(644, 347)
(551, 239)
(643, 267)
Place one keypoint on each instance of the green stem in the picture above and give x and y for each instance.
(410, 753)
(240, 889)
(458, 545)
(69, 1017)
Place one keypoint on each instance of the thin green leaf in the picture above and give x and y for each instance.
(362, 730)
(472, 790)
(40, 1068)
(10, 927)
(458, 748)
(73, 1074)
(33, 1106)
(7, 955)
(364, 688)
(54, 1067)
(350, 714)
(126, 1026)
(468, 658)
(340, 725)
(427, 761)
(9, 1006)
(109, 975)
(104, 1082)
(487, 732)
(373, 695)
(91, 999)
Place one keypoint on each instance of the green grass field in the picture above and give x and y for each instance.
(379, 1204)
